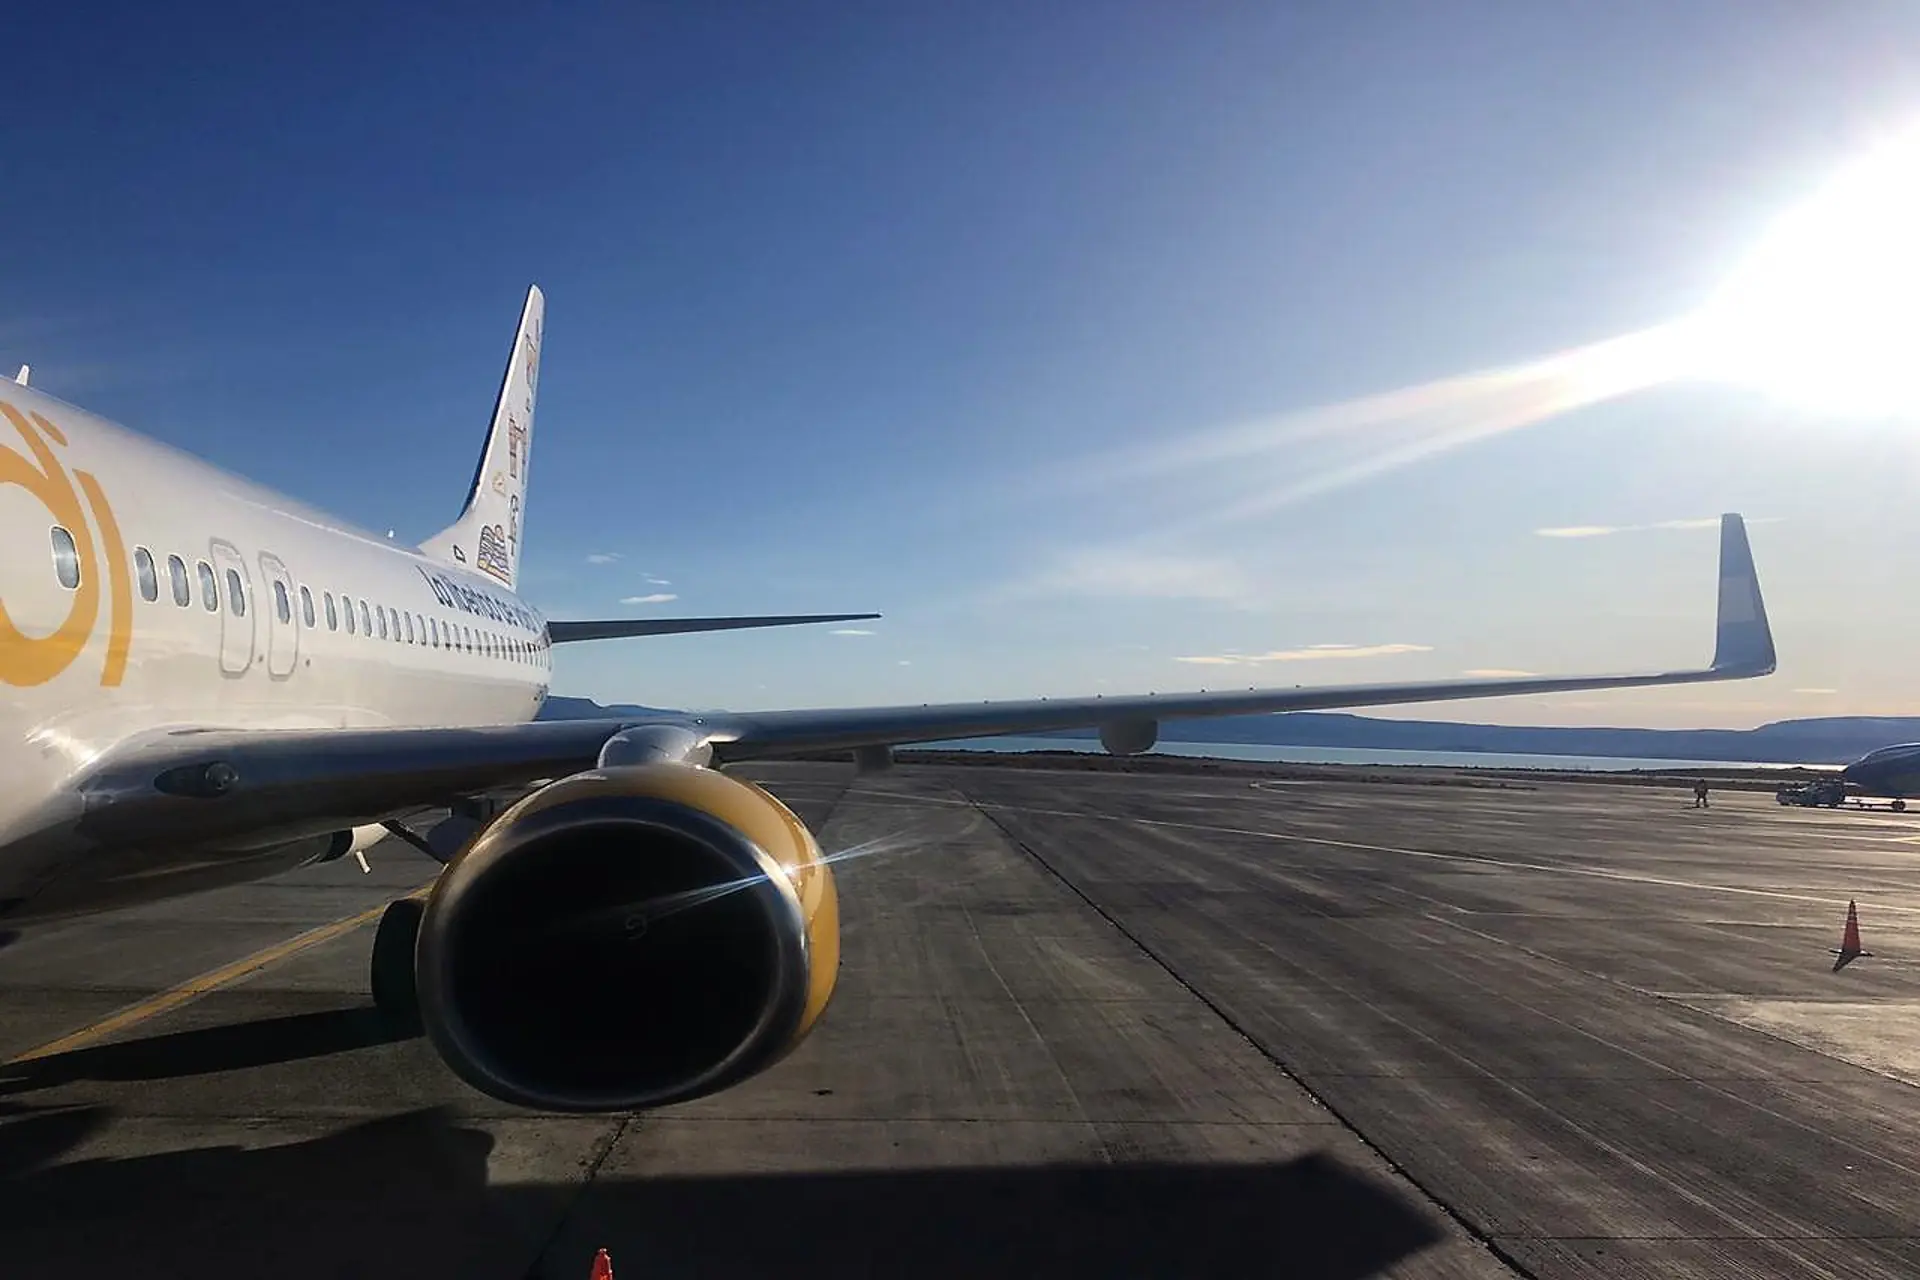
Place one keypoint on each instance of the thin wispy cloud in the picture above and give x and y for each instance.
(1279, 461)
(1496, 673)
(1312, 653)
(1101, 571)
(656, 582)
(603, 557)
(658, 597)
(1816, 692)
(1608, 530)
(850, 631)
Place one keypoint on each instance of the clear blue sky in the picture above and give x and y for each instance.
(858, 307)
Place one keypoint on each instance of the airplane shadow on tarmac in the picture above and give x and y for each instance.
(233, 1047)
(408, 1196)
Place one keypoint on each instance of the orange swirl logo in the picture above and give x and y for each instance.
(30, 660)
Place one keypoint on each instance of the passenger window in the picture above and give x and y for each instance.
(209, 588)
(393, 616)
(366, 621)
(282, 607)
(433, 631)
(382, 615)
(66, 559)
(466, 634)
(177, 575)
(144, 570)
(306, 606)
(333, 614)
(236, 594)
(347, 605)
(409, 618)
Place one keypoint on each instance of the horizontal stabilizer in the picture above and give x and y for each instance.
(621, 628)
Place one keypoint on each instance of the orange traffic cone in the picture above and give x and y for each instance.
(602, 1267)
(1850, 949)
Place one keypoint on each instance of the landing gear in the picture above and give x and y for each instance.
(394, 993)
(1899, 806)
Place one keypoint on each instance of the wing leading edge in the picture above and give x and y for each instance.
(1743, 649)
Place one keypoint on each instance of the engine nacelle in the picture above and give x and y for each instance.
(626, 938)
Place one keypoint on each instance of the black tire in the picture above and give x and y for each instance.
(391, 968)
(1899, 806)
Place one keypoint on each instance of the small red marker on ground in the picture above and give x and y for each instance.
(1850, 948)
(602, 1267)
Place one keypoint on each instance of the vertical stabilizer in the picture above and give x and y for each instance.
(486, 537)
(26, 371)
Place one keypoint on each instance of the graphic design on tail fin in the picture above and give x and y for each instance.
(487, 534)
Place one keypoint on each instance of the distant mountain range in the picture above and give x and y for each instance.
(1831, 740)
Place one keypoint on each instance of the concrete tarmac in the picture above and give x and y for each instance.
(1087, 1024)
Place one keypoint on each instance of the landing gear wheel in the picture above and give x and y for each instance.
(1899, 806)
(394, 993)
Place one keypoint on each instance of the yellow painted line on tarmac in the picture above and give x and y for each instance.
(192, 989)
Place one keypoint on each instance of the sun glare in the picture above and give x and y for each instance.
(1825, 310)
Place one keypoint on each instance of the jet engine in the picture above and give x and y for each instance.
(628, 937)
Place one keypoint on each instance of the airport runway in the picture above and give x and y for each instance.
(1088, 1024)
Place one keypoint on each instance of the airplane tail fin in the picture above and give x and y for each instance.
(487, 534)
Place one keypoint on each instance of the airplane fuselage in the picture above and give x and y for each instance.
(143, 591)
(1891, 771)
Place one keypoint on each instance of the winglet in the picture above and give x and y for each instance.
(1742, 641)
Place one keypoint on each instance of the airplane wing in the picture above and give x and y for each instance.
(239, 786)
(625, 628)
(1743, 648)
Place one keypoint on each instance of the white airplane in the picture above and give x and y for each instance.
(203, 682)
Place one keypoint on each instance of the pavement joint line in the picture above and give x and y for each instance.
(1474, 859)
(602, 1153)
(1713, 1083)
(205, 984)
(1472, 1230)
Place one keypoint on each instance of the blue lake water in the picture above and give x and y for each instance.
(1359, 755)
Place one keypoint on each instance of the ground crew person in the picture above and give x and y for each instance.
(1700, 795)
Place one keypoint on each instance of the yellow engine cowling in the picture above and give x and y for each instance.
(627, 938)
